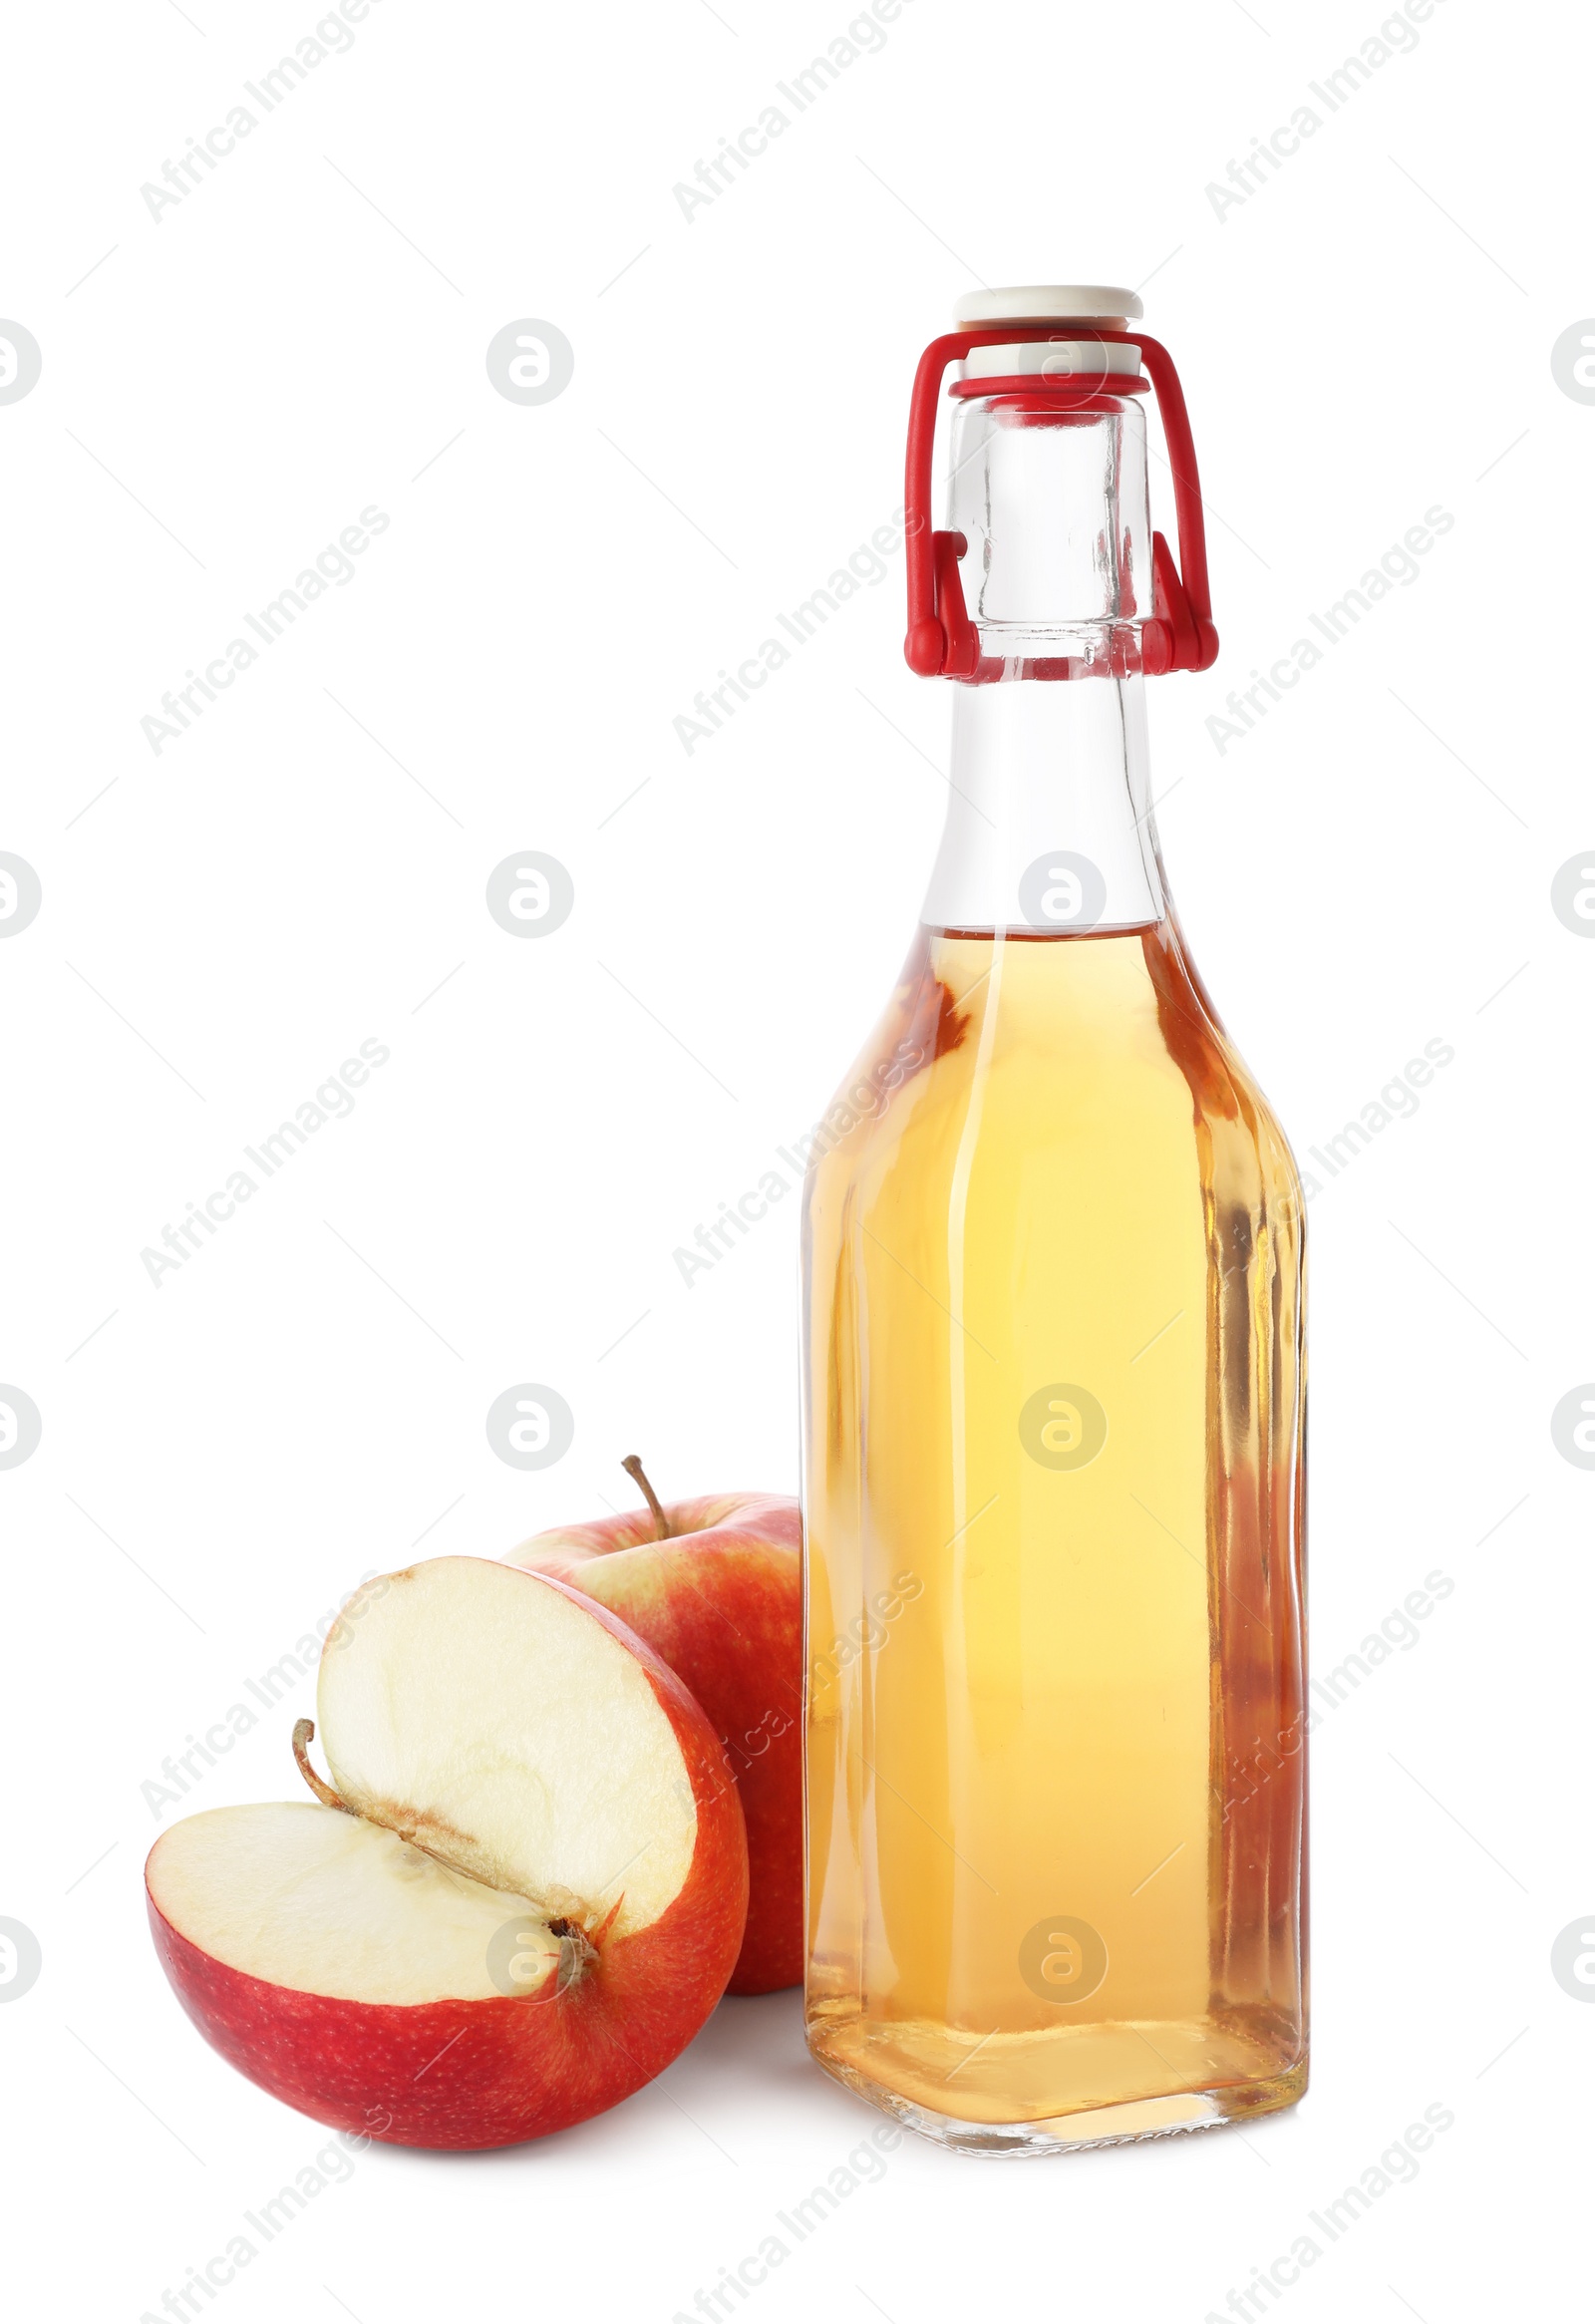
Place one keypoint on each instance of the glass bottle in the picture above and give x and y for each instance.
(1054, 1361)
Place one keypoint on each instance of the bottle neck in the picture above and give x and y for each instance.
(1052, 504)
(1050, 826)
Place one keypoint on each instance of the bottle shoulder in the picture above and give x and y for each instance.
(991, 1044)
(1223, 1085)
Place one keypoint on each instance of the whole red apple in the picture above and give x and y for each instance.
(714, 1587)
(520, 1897)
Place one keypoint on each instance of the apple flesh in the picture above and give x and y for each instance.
(718, 1595)
(521, 1899)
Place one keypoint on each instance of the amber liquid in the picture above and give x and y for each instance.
(1054, 1410)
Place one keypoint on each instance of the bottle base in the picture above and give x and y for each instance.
(1087, 2127)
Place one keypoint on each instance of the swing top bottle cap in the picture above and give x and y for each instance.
(1031, 304)
(1030, 584)
(1076, 302)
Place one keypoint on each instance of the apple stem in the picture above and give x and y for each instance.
(634, 1470)
(303, 1734)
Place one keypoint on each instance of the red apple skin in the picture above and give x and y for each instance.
(722, 1605)
(721, 1601)
(494, 2072)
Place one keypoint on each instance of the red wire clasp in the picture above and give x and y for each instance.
(942, 641)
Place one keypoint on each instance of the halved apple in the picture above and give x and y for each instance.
(521, 1895)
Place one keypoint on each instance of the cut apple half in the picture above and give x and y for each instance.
(520, 1894)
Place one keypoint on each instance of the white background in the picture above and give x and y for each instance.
(303, 335)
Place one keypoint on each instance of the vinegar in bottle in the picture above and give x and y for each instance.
(1053, 1393)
